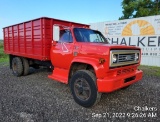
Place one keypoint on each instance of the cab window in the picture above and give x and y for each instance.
(88, 35)
(65, 36)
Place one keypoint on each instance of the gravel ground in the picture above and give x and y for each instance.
(36, 98)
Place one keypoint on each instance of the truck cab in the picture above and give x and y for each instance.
(85, 60)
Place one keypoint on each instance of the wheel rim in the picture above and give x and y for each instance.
(82, 89)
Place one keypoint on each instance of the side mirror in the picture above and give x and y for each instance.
(56, 32)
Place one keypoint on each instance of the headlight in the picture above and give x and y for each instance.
(114, 58)
(136, 56)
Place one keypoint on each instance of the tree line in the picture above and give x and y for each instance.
(139, 8)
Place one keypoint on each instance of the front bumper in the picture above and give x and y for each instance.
(112, 84)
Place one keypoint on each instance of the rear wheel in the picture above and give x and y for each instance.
(25, 66)
(17, 66)
(83, 88)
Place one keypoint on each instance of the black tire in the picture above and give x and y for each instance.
(17, 66)
(83, 84)
(25, 66)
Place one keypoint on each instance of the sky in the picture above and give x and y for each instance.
(81, 11)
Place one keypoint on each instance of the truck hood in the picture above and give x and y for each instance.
(103, 49)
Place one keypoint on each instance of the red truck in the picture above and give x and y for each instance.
(78, 56)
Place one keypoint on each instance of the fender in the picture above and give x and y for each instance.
(94, 62)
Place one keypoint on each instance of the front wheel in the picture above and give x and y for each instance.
(84, 89)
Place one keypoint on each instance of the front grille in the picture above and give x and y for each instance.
(124, 57)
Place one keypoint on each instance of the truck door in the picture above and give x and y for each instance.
(62, 51)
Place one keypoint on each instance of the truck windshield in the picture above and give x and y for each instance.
(87, 35)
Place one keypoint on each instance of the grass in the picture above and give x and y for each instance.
(3, 56)
(150, 70)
